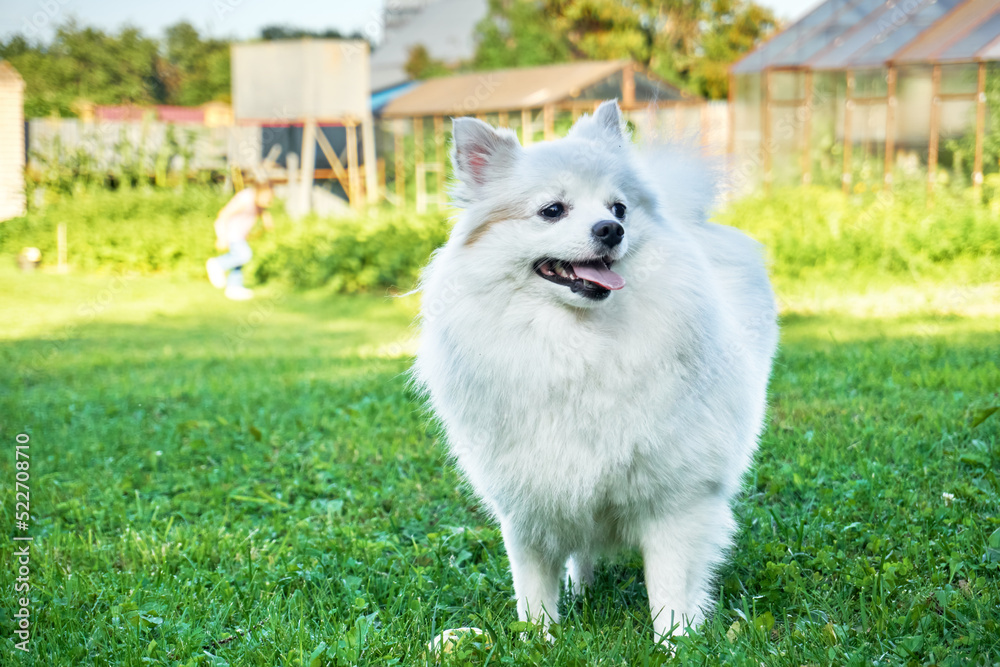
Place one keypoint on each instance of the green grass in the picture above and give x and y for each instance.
(253, 484)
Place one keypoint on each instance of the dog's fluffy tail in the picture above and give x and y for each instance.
(686, 183)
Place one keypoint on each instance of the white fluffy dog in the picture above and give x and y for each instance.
(598, 353)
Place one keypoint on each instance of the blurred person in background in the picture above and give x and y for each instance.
(232, 227)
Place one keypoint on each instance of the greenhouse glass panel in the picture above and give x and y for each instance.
(950, 29)
(830, 35)
(606, 89)
(871, 83)
(770, 50)
(957, 117)
(901, 30)
(967, 47)
(913, 109)
(786, 145)
(826, 125)
(747, 130)
(648, 90)
(787, 86)
(962, 79)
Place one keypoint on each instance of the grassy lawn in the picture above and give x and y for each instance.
(253, 484)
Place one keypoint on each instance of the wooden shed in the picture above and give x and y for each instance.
(532, 100)
(11, 142)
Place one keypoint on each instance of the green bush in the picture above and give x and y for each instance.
(151, 230)
(353, 255)
(146, 229)
(811, 231)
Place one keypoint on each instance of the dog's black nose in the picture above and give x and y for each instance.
(608, 232)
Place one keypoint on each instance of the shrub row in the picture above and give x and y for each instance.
(807, 232)
(152, 230)
(387, 250)
(147, 230)
(815, 230)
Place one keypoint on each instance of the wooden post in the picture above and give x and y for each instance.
(371, 161)
(628, 86)
(308, 166)
(503, 119)
(439, 156)
(807, 129)
(353, 175)
(527, 127)
(890, 128)
(549, 115)
(705, 125)
(338, 169)
(765, 134)
(731, 110)
(845, 175)
(932, 148)
(418, 163)
(292, 167)
(399, 148)
(237, 178)
(977, 168)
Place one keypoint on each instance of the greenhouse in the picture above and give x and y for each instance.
(867, 93)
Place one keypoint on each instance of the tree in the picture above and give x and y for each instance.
(193, 70)
(84, 63)
(277, 32)
(420, 65)
(696, 48)
(688, 42)
(518, 33)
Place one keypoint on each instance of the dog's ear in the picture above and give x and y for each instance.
(605, 125)
(480, 152)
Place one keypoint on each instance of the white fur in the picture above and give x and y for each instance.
(586, 426)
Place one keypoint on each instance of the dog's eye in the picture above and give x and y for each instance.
(553, 211)
(618, 209)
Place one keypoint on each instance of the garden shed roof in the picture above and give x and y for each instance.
(524, 88)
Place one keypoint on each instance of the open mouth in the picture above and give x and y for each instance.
(593, 279)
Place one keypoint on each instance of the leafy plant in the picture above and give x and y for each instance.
(815, 231)
(384, 251)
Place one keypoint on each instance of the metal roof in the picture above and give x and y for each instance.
(521, 88)
(857, 34)
(962, 35)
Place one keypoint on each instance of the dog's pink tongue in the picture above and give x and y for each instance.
(598, 273)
